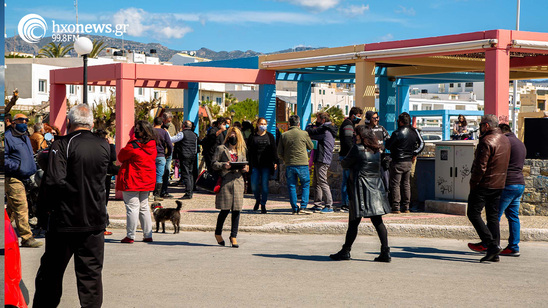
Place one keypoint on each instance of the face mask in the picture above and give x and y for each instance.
(21, 127)
(357, 120)
(262, 128)
(232, 140)
(318, 123)
(138, 135)
(227, 126)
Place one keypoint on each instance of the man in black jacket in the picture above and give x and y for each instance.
(346, 136)
(75, 178)
(214, 138)
(185, 152)
(404, 145)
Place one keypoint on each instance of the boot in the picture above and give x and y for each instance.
(256, 207)
(157, 190)
(384, 256)
(342, 255)
(263, 208)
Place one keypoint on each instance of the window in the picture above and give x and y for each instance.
(156, 94)
(346, 109)
(469, 84)
(90, 88)
(451, 85)
(426, 107)
(72, 89)
(327, 106)
(458, 85)
(424, 91)
(542, 105)
(140, 91)
(42, 86)
(219, 100)
(207, 98)
(460, 107)
(319, 107)
(415, 107)
(102, 89)
(202, 98)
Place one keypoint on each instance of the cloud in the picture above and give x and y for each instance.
(405, 11)
(387, 37)
(142, 23)
(236, 17)
(354, 10)
(315, 5)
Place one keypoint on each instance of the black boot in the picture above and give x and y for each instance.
(256, 207)
(157, 190)
(342, 255)
(384, 256)
(263, 208)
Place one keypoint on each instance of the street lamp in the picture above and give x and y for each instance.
(83, 46)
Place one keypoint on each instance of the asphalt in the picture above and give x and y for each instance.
(199, 214)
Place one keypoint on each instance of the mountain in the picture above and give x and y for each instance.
(16, 44)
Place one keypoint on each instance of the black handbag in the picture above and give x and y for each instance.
(209, 181)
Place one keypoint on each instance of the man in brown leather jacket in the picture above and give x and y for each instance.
(487, 182)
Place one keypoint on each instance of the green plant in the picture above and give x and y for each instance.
(53, 50)
(98, 46)
(336, 114)
(244, 110)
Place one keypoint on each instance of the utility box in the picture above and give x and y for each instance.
(453, 169)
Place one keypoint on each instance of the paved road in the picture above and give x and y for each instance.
(273, 270)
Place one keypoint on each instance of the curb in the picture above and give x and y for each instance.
(399, 230)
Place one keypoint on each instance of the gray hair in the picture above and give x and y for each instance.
(490, 119)
(80, 116)
(38, 127)
(187, 124)
(294, 120)
(167, 115)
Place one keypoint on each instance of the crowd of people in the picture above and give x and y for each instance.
(75, 188)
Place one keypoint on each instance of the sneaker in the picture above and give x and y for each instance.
(344, 208)
(509, 252)
(31, 243)
(478, 247)
(317, 208)
(166, 195)
(127, 240)
(147, 239)
(326, 210)
(186, 196)
(107, 232)
(304, 211)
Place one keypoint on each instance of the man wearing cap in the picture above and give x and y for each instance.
(19, 166)
(487, 180)
(372, 122)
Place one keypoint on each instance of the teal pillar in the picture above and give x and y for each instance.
(387, 102)
(446, 132)
(2, 72)
(191, 105)
(402, 99)
(304, 102)
(267, 105)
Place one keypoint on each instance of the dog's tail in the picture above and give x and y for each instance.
(179, 205)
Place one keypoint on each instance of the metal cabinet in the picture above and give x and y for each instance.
(453, 167)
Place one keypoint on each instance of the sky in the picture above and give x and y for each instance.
(273, 25)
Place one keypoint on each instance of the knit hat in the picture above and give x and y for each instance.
(368, 116)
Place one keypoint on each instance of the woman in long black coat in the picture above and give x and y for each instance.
(366, 191)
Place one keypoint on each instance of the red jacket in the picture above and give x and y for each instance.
(138, 171)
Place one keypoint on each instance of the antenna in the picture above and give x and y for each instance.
(76, 6)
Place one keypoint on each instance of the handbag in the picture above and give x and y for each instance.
(209, 181)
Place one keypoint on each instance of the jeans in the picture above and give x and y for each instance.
(509, 205)
(160, 166)
(259, 184)
(400, 177)
(167, 172)
(344, 192)
(292, 173)
(477, 200)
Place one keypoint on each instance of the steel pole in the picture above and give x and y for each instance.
(85, 96)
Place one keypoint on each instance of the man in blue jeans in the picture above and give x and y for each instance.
(292, 150)
(511, 194)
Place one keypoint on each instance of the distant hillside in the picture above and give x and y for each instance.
(16, 44)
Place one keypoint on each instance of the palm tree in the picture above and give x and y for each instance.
(53, 50)
(98, 46)
(230, 99)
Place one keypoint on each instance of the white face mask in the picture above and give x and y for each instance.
(262, 128)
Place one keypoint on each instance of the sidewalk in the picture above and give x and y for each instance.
(199, 214)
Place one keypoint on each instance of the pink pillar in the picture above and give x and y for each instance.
(125, 114)
(58, 106)
(497, 78)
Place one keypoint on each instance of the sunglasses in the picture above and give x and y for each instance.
(22, 119)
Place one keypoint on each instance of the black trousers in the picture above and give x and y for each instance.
(221, 221)
(352, 231)
(478, 199)
(187, 167)
(88, 251)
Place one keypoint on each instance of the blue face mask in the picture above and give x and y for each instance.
(262, 128)
(21, 127)
(227, 126)
(357, 120)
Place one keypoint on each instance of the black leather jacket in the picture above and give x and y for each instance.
(366, 191)
(404, 144)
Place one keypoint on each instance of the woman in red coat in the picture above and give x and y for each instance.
(137, 178)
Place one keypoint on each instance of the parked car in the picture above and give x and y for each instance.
(431, 137)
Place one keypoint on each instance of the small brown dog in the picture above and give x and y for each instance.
(161, 215)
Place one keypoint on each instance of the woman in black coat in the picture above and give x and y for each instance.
(366, 192)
